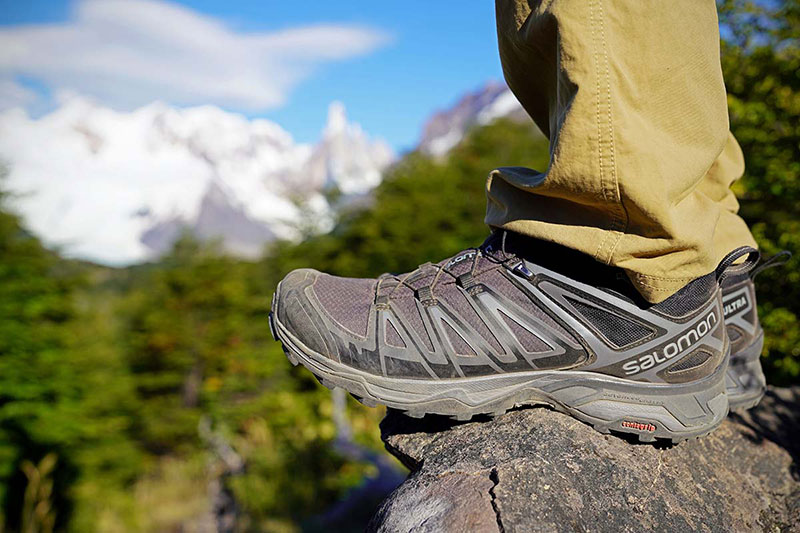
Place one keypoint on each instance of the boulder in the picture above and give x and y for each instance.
(538, 470)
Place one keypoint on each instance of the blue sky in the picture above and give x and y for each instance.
(414, 57)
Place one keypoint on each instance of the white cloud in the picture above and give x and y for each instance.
(130, 52)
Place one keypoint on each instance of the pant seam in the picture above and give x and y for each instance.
(638, 279)
(662, 278)
(610, 190)
(598, 120)
(621, 222)
(654, 288)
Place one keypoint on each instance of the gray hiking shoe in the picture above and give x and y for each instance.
(488, 330)
(745, 383)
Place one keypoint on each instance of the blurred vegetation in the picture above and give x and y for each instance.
(761, 63)
(142, 399)
(107, 377)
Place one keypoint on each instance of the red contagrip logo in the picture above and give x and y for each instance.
(638, 425)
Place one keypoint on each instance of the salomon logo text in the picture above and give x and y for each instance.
(683, 343)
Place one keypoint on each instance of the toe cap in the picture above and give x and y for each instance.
(294, 310)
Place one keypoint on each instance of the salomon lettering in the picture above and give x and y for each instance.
(683, 343)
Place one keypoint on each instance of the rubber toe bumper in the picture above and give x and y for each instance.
(292, 307)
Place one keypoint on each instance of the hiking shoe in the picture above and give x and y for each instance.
(745, 383)
(490, 329)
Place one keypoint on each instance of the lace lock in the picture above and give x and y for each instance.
(465, 281)
(521, 270)
(425, 295)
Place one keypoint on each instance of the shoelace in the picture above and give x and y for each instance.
(441, 269)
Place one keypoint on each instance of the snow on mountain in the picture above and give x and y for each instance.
(119, 187)
(445, 129)
(345, 157)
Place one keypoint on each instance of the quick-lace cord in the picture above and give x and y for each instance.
(437, 276)
(442, 269)
(401, 281)
(474, 266)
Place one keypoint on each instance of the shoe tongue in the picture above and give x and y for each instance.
(456, 265)
(496, 245)
(460, 263)
(464, 261)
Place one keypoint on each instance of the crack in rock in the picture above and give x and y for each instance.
(495, 479)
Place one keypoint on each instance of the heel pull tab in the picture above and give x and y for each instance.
(781, 258)
(727, 267)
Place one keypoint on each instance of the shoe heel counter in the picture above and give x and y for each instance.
(705, 343)
(741, 314)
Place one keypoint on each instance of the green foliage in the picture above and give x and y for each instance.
(183, 334)
(761, 62)
(199, 345)
(112, 372)
(48, 399)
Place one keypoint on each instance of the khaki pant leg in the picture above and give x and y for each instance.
(631, 95)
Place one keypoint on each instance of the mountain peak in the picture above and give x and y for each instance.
(337, 120)
(446, 128)
(118, 187)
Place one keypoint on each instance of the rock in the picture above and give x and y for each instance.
(539, 470)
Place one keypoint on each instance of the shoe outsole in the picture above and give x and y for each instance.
(745, 405)
(647, 413)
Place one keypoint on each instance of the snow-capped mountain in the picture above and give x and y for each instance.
(119, 187)
(345, 158)
(446, 128)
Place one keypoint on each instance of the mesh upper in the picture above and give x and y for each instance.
(616, 329)
(446, 291)
(404, 300)
(734, 334)
(406, 307)
(690, 361)
(349, 302)
(690, 297)
(455, 299)
(346, 300)
(393, 337)
(502, 285)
